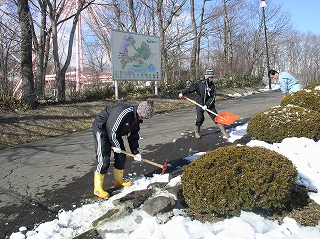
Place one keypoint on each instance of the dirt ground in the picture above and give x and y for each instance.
(19, 127)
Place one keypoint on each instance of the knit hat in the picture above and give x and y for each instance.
(209, 73)
(146, 109)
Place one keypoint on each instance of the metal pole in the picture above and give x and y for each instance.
(198, 41)
(156, 88)
(266, 40)
(199, 35)
(116, 90)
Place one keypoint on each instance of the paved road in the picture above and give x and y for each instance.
(38, 179)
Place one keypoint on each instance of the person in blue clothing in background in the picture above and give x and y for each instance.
(287, 82)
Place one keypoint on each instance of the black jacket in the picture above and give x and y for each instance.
(206, 92)
(117, 121)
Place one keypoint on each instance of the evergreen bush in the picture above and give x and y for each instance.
(93, 93)
(307, 98)
(234, 178)
(313, 86)
(280, 122)
(238, 81)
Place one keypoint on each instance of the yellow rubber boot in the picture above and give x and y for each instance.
(98, 186)
(118, 178)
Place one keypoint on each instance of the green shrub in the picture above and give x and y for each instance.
(277, 123)
(304, 98)
(173, 89)
(234, 178)
(238, 81)
(313, 86)
(131, 89)
(8, 102)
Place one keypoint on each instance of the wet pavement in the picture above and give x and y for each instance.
(41, 178)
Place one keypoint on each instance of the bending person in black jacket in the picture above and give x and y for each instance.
(108, 128)
(206, 91)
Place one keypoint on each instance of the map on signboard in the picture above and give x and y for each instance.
(135, 56)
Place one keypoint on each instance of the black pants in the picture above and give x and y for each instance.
(102, 147)
(200, 115)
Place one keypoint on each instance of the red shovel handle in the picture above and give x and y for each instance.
(164, 168)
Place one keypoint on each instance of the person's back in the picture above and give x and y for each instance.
(110, 125)
(287, 82)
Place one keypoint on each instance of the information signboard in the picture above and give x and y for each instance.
(135, 56)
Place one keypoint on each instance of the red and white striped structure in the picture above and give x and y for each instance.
(78, 78)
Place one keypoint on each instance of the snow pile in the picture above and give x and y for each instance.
(302, 152)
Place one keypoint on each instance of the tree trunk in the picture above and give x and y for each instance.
(227, 41)
(193, 60)
(4, 78)
(162, 42)
(60, 70)
(132, 16)
(28, 92)
(163, 24)
(41, 50)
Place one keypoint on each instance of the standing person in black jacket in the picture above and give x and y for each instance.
(206, 91)
(108, 128)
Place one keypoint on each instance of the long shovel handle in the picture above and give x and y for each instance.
(143, 160)
(194, 102)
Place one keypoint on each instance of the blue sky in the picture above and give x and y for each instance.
(305, 14)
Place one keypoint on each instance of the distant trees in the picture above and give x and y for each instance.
(226, 35)
(9, 53)
(57, 14)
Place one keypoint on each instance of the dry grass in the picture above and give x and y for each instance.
(18, 127)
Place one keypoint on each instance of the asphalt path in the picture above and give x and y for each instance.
(41, 178)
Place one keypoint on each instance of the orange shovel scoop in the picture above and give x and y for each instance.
(224, 118)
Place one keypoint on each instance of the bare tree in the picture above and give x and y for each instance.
(9, 55)
(193, 55)
(229, 38)
(28, 91)
(132, 16)
(100, 24)
(300, 56)
(165, 16)
(278, 28)
(55, 12)
(96, 61)
(41, 45)
(4, 82)
(227, 45)
(312, 45)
